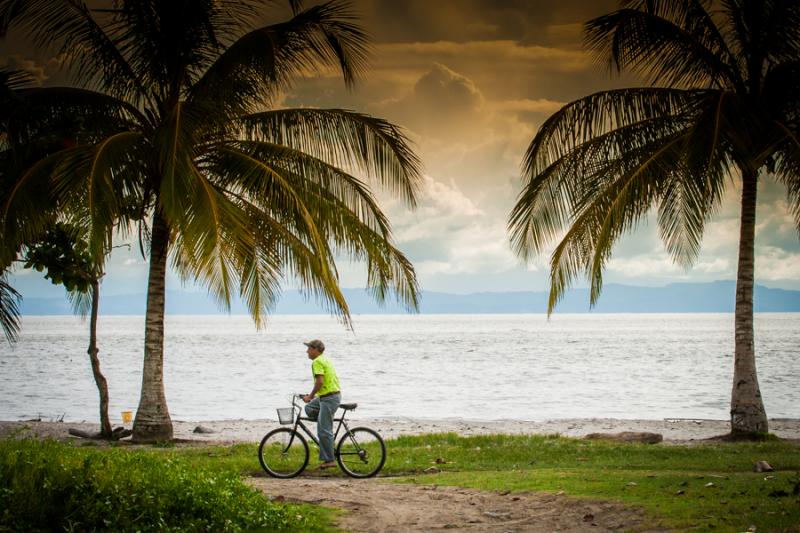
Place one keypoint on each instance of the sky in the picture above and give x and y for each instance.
(470, 81)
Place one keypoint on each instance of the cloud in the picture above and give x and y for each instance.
(644, 266)
(35, 70)
(565, 34)
(440, 102)
(777, 264)
(540, 105)
(503, 69)
(465, 138)
(659, 265)
(641, 255)
(449, 233)
(526, 21)
(442, 87)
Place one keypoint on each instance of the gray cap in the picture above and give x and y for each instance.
(316, 344)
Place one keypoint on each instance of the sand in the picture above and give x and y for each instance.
(673, 430)
(378, 506)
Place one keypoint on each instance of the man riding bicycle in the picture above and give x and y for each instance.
(323, 400)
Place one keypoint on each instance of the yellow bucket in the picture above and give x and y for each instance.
(127, 416)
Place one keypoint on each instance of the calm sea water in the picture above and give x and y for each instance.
(424, 366)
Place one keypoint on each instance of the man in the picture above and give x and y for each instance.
(323, 400)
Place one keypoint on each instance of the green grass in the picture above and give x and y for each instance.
(704, 487)
(697, 487)
(671, 483)
(47, 486)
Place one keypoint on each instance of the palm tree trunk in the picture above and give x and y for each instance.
(99, 378)
(152, 422)
(747, 408)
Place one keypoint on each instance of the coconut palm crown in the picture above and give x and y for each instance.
(722, 110)
(172, 126)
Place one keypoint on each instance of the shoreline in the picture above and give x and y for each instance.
(242, 431)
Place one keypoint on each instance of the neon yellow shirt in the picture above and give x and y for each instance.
(322, 366)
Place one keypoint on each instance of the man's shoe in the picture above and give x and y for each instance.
(326, 465)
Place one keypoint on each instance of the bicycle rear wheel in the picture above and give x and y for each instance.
(283, 453)
(361, 453)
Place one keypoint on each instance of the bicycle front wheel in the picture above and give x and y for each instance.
(361, 453)
(283, 453)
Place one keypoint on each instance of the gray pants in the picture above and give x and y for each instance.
(322, 410)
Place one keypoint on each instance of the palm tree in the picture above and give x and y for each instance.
(176, 114)
(721, 108)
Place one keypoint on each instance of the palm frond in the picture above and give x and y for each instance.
(88, 184)
(167, 44)
(281, 254)
(44, 121)
(305, 174)
(388, 270)
(28, 203)
(261, 184)
(289, 185)
(14, 80)
(263, 180)
(174, 146)
(9, 309)
(81, 302)
(264, 62)
(564, 163)
(762, 32)
(696, 182)
(598, 166)
(345, 139)
(787, 170)
(204, 244)
(81, 41)
(346, 215)
(349, 218)
(92, 108)
(671, 43)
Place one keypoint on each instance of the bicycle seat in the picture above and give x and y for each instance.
(348, 406)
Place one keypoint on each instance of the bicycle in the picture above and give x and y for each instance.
(283, 452)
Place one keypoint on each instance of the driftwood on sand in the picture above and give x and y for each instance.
(117, 434)
(628, 436)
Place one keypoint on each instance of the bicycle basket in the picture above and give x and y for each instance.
(286, 415)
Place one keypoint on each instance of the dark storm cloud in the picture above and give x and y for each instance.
(529, 22)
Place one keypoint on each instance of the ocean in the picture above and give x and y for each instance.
(516, 366)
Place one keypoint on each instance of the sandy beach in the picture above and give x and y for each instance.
(231, 431)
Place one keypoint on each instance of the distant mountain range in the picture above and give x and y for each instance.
(715, 297)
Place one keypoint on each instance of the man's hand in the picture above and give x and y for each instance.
(307, 398)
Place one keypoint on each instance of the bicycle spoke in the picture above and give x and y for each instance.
(361, 452)
(283, 453)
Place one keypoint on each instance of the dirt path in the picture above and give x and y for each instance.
(378, 506)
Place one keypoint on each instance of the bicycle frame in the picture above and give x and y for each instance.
(298, 423)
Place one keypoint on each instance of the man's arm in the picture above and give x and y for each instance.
(318, 379)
